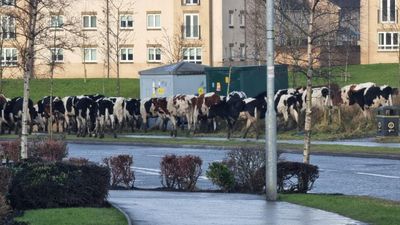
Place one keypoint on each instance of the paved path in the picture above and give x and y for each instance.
(172, 208)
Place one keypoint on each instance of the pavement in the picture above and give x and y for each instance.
(182, 208)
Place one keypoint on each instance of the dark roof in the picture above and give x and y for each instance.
(181, 68)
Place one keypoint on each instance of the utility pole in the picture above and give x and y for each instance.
(108, 36)
(270, 126)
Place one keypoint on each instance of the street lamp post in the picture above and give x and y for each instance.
(270, 126)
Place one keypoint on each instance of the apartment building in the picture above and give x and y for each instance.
(141, 34)
(379, 28)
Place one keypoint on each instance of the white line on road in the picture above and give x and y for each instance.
(150, 171)
(147, 169)
(378, 175)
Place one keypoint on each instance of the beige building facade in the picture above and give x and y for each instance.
(141, 34)
(379, 31)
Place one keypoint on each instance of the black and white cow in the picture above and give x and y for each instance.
(105, 116)
(58, 112)
(132, 113)
(254, 110)
(86, 115)
(69, 103)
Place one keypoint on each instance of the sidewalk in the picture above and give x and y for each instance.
(178, 208)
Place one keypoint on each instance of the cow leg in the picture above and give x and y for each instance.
(229, 128)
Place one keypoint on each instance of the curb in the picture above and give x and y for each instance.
(123, 212)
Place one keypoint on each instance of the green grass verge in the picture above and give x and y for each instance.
(365, 209)
(74, 216)
(66, 87)
(378, 73)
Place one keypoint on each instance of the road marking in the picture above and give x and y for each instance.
(155, 171)
(378, 175)
(157, 156)
(146, 169)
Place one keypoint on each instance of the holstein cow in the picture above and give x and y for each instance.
(254, 110)
(86, 114)
(3, 102)
(105, 116)
(58, 112)
(119, 111)
(347, 90)
(13, 114)
(147, 110)
(202, 106)
(181, 106)
(132, 112)
(69, 103)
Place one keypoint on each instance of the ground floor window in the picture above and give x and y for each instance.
(9, 57)
(192, 55)
(57, 54)
(126, 55)
(388, 41)
(153, 54)
(89, 55)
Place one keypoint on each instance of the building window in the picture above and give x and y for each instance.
(153, 21)
(231, 53)
(56, 21)
(89, 55)
(126, 21)
(242, 50)
(192, 55)
(388, 41)
(89, 22)
(7, 2)
(57, 54)
(153, 54)
(9, 57)
(191, 2)
(388, 11)
(8, 27)
(192, 27)
(242, 18)
(126, 55)
(230, 18)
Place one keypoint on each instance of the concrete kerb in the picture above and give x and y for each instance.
(123, 212)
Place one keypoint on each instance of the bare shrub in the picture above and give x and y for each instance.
(49, 150)
(121, 173)
(396, 100)
(78, 161)
(10, 150)
(296, 177)
(180, 172)
(248, 167)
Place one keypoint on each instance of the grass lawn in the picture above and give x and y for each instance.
(65, 87)
(74, 216)
(365, 209)
(378, 73)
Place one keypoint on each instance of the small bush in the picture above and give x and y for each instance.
(10, 151)
(220, 175)
(5, 178)
(49, 150)
(120, 169)
(247, 166)
(295, 177)
(77, 161)
(180, 172)
(55, 184)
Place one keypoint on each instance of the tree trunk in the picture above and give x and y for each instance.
(308, 122)
(28, 73)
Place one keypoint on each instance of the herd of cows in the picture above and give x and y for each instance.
(94, 114)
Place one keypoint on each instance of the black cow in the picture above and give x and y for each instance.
(58, 111)
(86, 115)
(105, 115)
(132, 113)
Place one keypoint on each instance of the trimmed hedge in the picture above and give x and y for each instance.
(39, 184)
(296, 177)
(220, 175)
(121, 174)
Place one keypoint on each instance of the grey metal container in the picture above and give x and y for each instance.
(173, 79)
(388, 121)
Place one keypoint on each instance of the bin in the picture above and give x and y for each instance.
(388, 121)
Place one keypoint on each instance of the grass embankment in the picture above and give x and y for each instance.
(65, 87)
(74, 216)
(369, 210)
(378, 73)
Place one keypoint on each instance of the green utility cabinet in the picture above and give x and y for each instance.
(388, 118)
(250, 79)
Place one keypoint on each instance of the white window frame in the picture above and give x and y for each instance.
(195, 53)
(389, 13)
(242, 18)
(8, 28)
(190, 34)
(13, 58)
(91, 54)
(231, 18)
(56, 21)
(7, 2)
(57, 55)
(231, 53)
(242, 51)
(153, 25)
(382, 41)
(125, 53)
(191, 2)
(92, 24)
(152, 53)
(126, 22)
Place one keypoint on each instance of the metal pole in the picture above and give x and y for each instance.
(270, 126)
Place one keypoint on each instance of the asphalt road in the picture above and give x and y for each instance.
(346, 175)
